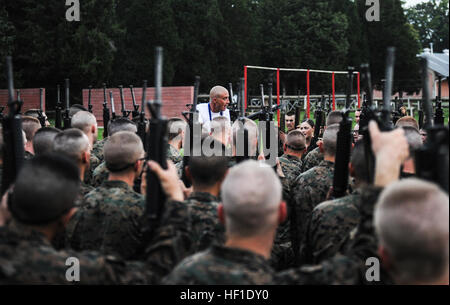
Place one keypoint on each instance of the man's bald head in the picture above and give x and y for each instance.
(217, 91)
(122, 150)
(83, 120)
(72, 143)
(251, 209)
(43, 140)
(296, 140)
(407, 121)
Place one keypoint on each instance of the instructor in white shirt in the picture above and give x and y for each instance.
(217, 106)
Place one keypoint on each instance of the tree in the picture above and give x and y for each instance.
(430, 19)
(7, 36)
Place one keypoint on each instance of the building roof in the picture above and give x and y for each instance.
(438, 62)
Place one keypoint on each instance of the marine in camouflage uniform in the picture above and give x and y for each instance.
(27, 257)
(313, 158)
(291, 166)
(109, 220)
(100, 175)
(173, 154)
(309, 189)
(331, 222)
(220, 265)
(88, 175)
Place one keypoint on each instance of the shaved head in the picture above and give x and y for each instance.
(122, 150)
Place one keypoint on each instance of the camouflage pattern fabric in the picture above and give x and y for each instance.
(27, 257)
(331, 222)
(88, 175)
(100, 175)
(109, 220)
(220, 265)
(173, 154)
(309, 189)
(291, 166)
(97, 150)
(84, 190)
(313, 158)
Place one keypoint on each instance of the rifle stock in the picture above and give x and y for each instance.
(106, 116)
(66, 111)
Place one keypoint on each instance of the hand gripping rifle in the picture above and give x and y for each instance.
(142, 124)
(89, 100)
(242, 133)
(125, 112)
(41, 116)
(193, 124)
(13, 151)
(431, 159)
(343, 145)
(156, 151)
(135, 112)
(318, 114)
(58, 110)
(66, 111)
(106, 116)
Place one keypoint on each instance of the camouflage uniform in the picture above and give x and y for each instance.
(100, 175)
(331, 222)
(173, 154)
(109, 220)
(220, 265)
(88, 175)
(84, 190)
(27, 257)
(97, 150)
(291, 166)
(309, 189)
(313, 158)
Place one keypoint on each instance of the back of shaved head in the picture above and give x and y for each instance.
(296, 140)
(43, 140)
(122, 150)
(334, 117)
(30, 125)
(330, 139)
(72, 143)
(83, 120)
(251, 196)
(252, 135)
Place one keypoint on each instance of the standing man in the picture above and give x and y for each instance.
(290, 122)
(217, 106)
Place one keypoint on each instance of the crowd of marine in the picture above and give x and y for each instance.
(146, 210)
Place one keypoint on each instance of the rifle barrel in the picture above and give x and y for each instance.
(113, 108)
(426, 95)
(10, 78)
(41, 99)
(67, 93)
(158, 78)
(389, 77)
(144, 95)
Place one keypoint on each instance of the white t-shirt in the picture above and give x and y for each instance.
(205, 115)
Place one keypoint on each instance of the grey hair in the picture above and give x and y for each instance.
(411, 220)
(72, 143)
(83, 120)
(251, 208)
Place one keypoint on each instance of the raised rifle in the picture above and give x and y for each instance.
(67, 110)
(282, 126)
(193, 124)
(156, 151)
(233, 106)
(89, 100)
(106, 116)
(385, 122)
(318, 115)
(343, 145)
(135, 112)
(142, 124)
(58, 109)
(439, 113)
(242, 133)
(125, 112)
(41, 116)
(432, 159)
(113, 108)
(13, 150)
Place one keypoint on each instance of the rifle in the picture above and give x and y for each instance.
(242, 133)
(431, 159)
(318, 114)
(125, 113)
(141, 125)
(192, 118)
(13, 151)
(156, 151)
(343, 145)
(385, 122)
(58, 110)
(439, 113)
(135, 112)
(66, 112)
(106, 116)
(113, 108)
(282, 126)
(41, 117)
(89, 100)
(233, 107)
